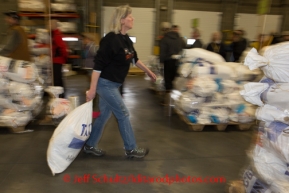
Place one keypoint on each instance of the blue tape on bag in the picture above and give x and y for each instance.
(76, 143)
(215, 119)
(275, 129)
(240, 108)
(193, 118)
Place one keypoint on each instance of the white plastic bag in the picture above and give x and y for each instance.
(204, 86)
(270, 113)
(253, 184)
(273, 61)
(252, 92)
(69, 137)
(191, 55)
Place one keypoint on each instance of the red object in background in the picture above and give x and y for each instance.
(95, 114)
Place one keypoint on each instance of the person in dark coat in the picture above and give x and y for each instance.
(239, 44)
(196, 35)
(16, 45)
(170, 45)
(216, 45)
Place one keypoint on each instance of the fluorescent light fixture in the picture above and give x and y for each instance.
(190, 41)
(133, 39)
(70, 39)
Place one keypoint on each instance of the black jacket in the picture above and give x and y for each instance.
(218, 48)
(114, 56)
(171, 44)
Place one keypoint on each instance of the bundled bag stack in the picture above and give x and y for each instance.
(269, 171)
(64, 6)
(210, 89)
(20, 93)
(31, 5)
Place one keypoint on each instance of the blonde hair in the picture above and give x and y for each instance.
(120, 12)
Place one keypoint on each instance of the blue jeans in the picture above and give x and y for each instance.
(110, 101)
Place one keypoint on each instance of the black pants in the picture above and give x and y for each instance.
(170, 72)
(58, 78)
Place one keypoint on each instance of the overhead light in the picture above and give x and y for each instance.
(70, 39)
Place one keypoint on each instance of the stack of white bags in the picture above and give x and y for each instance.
(31, 5)
(20, 92)
(210, 88)
(270, 156)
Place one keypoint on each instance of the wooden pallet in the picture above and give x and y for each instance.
(219, 127)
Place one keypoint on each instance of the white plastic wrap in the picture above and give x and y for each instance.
(20, 91)
(270, 113)
(63, 7)
(15, 119)
(180, 83)
(4, 83)
(191, 55)
(31, 5)
(275, 138)
(252, 92)
(59, 107)
(189, 102)
(185, 69)
(67, 27)
(4, 64)
(204, 86)
(253, 184)
(274, 61)
(42, 36)
(271, 169)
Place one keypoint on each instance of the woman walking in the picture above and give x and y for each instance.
(112, 63)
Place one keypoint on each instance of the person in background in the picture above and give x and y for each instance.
(89, 52)
(216, 45)
(59, 55)
(196, 35)
(16, 46)
(112, 63)
(171, 44)
(176, 28)
(239, 45)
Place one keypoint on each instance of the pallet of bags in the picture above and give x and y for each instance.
(63, 7)
(270, 155)
(20, 94)
(210, 92)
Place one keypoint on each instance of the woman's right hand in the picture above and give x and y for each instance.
(90, 94)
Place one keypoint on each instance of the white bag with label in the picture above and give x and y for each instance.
(273, 61)
(69, 137)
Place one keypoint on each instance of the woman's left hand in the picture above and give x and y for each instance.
(152, 76)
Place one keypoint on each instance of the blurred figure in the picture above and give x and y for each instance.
(89, 52)
(216, 45)
(196, 35)
(16, 45)
(176, 28)
(171, 44)
(239, 44)
(285, 36)
(59, 51)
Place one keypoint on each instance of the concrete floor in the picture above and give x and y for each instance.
(174, 150)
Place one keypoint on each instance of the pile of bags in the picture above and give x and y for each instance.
(209, 88)
(20, 92)
(269, 171)
(31, 5)
(64, 6)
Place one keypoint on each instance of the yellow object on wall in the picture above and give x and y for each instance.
(156, 50)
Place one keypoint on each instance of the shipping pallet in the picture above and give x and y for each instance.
(219, 127)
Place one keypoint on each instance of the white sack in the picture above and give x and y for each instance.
(270, 113)
(270, 169)
(59, 107)
(274, 61)
(16, 119)
(253, 184)
(69, 137)
(185, 69)
(191, 55)
(252, 92)
(243, 73)
(4, 64)
(180, 83)
(42, 36)
(204, 86)
(189, 102)
(18, 91)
